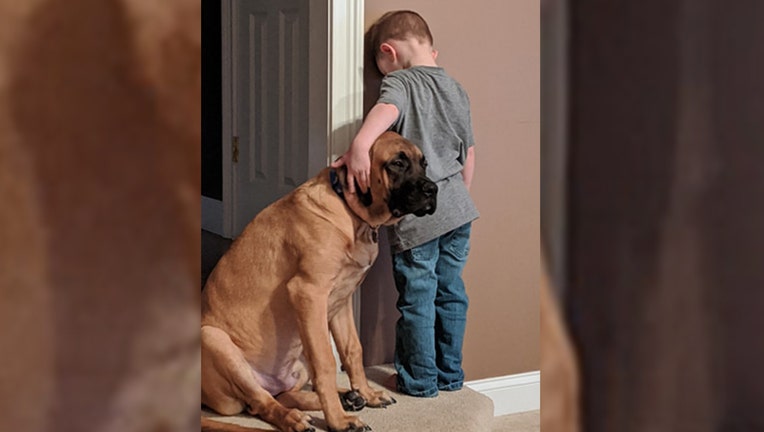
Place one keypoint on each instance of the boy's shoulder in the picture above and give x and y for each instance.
(419, 71)
(424, 80)
(422, 73)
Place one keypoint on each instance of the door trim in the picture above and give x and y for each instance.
(227, 80)
(346, 73)
(336, 95)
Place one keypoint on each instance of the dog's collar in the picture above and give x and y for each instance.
(336, 185)
(374, 234)
(334, 179)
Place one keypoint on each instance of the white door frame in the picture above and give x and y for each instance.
(336, 96)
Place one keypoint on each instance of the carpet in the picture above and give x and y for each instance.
(522, 422)
(464, 410)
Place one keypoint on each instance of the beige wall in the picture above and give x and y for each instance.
(492, 48)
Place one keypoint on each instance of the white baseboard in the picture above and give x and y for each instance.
(511, 394)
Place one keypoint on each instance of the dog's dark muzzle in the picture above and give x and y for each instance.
(417, 196)
(429, 192)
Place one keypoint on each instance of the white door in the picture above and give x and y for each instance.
(270, 103)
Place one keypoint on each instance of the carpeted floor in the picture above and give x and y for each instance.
(465, 410)
(523, 422)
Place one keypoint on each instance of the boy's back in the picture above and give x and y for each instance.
(434, 113)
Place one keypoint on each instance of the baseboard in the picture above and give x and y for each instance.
(511, 394)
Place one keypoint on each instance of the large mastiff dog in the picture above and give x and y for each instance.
(293, 269)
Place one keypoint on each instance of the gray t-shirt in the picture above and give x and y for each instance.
(434, 114)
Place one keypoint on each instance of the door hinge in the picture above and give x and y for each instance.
(235, 149)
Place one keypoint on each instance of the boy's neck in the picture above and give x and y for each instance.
(423, 61)
(415, 53)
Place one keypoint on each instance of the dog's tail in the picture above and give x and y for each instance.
(209, 425)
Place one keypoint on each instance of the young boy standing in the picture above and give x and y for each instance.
(428, 107)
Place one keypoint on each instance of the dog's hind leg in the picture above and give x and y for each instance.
(229, 385)
(300, 399)
(297, 397)
(308, 401)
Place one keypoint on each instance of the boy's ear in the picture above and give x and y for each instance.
(388, 49)
(434, 54)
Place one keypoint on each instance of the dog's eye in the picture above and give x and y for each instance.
(424, 163)
(398, 163)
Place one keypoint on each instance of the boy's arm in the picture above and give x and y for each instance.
(469, 167)
(357, 159)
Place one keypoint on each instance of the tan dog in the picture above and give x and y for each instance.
(294, 268)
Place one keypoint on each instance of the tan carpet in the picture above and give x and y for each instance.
(523, 422)
(464, 410)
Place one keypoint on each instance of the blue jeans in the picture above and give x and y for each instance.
(433, 306)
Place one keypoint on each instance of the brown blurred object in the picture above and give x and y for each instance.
(559, 369)
(99, 225)
(560, 372)
(665, 239)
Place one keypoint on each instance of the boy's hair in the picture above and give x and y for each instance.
(397, 25)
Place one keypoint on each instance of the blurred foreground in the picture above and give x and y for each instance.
(653, 206)
(99, 225)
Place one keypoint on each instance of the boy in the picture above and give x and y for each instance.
(425, 105)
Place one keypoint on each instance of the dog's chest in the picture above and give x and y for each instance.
(359, 260)
(362, 257)
(363, 251)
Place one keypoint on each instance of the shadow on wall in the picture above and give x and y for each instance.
(213, 248)
(378, 298)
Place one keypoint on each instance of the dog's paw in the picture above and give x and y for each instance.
(363, 428)
(351, 424)
(297, 421)
(352, 401)
(378, 399)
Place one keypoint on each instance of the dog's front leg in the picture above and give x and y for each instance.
(351, 353)
(309, 299)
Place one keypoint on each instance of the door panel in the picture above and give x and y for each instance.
(271, 103)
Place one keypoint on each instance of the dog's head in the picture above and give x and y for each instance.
(398, 180)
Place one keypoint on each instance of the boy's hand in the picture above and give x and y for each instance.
(357, 159)
(358, 165)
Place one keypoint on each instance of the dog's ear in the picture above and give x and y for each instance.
(364, 197)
